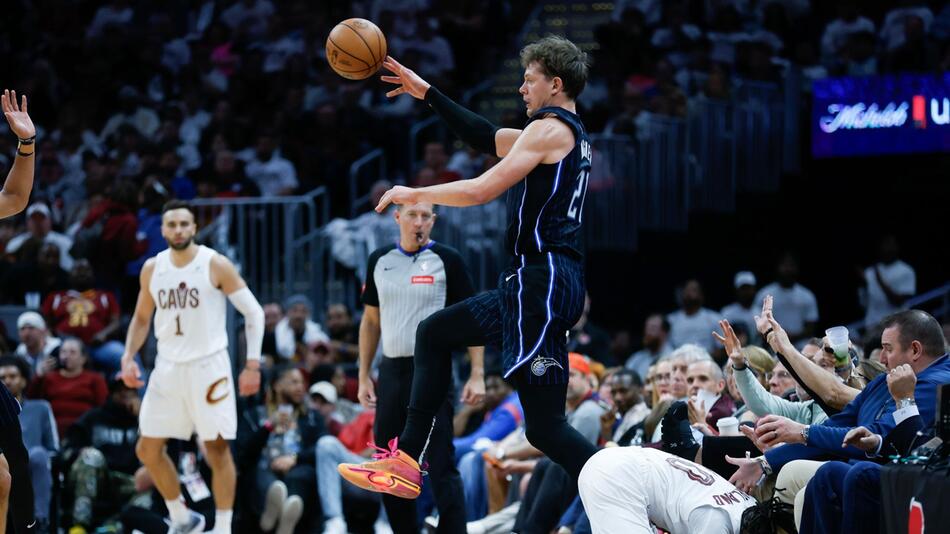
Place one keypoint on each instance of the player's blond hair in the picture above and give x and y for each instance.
(559, 57)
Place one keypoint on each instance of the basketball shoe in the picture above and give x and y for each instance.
(391, 471)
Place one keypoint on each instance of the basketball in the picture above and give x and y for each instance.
(356, 48)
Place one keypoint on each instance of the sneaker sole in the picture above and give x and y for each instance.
(274, 502)
(290, 515)
(379, 481)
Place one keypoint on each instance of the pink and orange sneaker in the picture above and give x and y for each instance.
(391, 471)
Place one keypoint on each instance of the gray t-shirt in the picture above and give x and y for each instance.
(586, 420)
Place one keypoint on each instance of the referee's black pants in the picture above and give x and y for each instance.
(392, 404)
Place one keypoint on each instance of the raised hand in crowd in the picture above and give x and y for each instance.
(730, 341)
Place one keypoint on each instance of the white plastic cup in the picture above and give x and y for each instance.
(838, 338)
(728, 426)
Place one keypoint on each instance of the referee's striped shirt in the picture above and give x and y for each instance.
(409, 286)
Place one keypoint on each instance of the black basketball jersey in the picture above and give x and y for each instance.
(545, 209)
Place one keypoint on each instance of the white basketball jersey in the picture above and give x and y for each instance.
(190, 321)
(682, 486)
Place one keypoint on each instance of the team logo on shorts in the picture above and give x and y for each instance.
(210, 395)
(541, 364)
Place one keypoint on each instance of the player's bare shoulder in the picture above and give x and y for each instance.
(147, 269)
(550, 135)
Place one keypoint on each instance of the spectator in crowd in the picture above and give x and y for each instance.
(503, 414)
(910, 337)
(838, 31)
(248, 16)
(132, 113)
(111, 234)
(896, 22)
(273, 313)
(760, 401)
(705, 376)
(343, 332)
(780, 380)
(656, 331)
(39, 226)
(589, 339)
(273, 174)
(101, 449)
(87, 313)
(742, 311)
(278, 450)
(623, 423)
(35, 275)
(794, 305)
(887, 283)
(692, 323)
(70, 388)
(323, 399)
(435, 166)
(583, 412)
(37, 347)
(39, 435)
(297, 330)
(434, 51)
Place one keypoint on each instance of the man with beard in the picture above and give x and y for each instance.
(88, 313)
(13, 454)
(190, 387)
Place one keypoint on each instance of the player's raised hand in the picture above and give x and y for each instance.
(408, 81)
(397, 195)
(131, 374)
(17, 115)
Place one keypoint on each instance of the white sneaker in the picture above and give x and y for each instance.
(273, 504)
(290, 515)
(335, 525)
(382, 527)
(195, 524)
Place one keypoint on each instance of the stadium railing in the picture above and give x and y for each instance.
(363, 172)
(936, 302)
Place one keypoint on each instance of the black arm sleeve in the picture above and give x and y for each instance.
(459, 283)
(829, 411)
(477, 131)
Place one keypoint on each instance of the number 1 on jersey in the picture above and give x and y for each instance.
(178, 326)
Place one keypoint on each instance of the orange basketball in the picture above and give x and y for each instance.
(356, 48)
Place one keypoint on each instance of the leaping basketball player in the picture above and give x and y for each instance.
(545, 168)
(190, 389)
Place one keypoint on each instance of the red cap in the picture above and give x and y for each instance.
(579, 362)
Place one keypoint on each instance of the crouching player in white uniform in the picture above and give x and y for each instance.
(191, 389)
(625, 489)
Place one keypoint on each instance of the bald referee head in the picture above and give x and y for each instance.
(415, 224)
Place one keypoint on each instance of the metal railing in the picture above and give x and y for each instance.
(276, 242)
(363, 172)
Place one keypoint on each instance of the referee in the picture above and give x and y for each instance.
(405, 283)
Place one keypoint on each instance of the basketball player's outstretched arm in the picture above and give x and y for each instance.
(543, 141)
(138, 328)
(477, 131)
(226, 278)
(16, 190)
